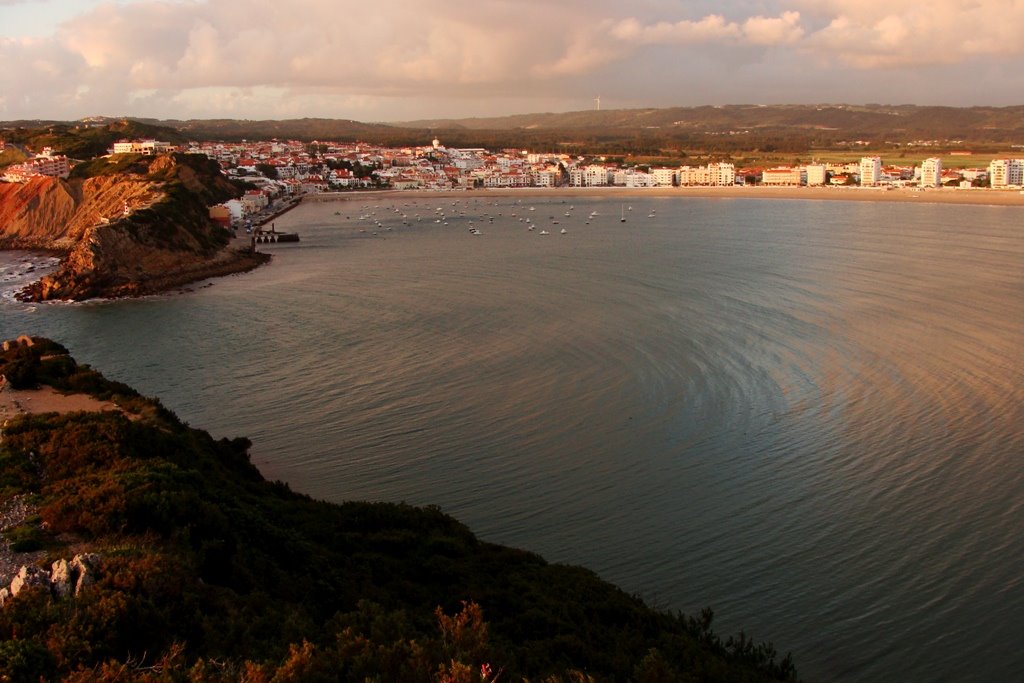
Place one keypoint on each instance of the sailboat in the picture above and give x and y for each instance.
(623, 219)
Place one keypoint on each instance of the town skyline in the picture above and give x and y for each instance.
(412, 60)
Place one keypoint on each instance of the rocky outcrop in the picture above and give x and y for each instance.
(65, 579)
(140, 229)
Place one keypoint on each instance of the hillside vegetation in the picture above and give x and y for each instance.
(200, 570)
(671, 132)
(82, 140)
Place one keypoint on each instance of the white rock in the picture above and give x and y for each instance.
(61, 578)
(29, 576)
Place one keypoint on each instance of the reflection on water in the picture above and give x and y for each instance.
(805, 414)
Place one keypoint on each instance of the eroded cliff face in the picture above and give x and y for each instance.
(127, 233)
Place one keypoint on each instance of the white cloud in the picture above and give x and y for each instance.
(268, 58)
(880, 34)
(711, 27)
(781, 30)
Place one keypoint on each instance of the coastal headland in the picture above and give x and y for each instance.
(132, 542)
(125, 227)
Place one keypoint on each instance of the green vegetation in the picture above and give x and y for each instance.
(11, 155)
(210, 573)
(758, 133)
(82, 140)
(746, 134)
(107, 166)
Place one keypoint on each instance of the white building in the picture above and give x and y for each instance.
(694, 175)
(589, 176)
(664, 177)
(148, 147)
(1006, 172)
(931, 172)
(546, 178)
(47, 163)
(870, 171)
(639, 179)
(782, 176)
(815, 174)
(722, 174)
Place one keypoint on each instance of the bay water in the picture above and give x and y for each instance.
(806, 415)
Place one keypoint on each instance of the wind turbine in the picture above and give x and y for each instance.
(598, 100)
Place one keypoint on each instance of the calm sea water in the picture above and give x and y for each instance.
(807, 415)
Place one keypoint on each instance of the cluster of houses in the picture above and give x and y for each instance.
(45, 164)
(292, 167)
(275, 167)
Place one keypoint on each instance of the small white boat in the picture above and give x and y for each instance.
(564, 231)
(544, 232)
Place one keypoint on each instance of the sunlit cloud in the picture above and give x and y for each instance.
(262, 57)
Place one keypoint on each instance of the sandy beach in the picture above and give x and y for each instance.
(946, 195)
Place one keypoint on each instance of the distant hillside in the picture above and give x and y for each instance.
(671, 132)
(837, 122)
(674, 131)
(302, 129)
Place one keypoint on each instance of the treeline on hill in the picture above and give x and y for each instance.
(207, 572)
(82, 140)
(672, 132)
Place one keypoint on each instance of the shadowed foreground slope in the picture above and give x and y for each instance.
(193, 567)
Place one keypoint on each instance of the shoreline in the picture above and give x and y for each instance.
(972, 197)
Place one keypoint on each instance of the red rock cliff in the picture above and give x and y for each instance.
(139, 230)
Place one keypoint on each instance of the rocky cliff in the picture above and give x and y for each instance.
(126, 226)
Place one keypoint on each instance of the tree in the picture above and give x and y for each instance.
(269, 170)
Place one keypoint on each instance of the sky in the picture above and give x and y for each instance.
(403, 60)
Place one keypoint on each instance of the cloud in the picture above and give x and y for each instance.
(711, 27)
(872, 34)
(222, 56)
(782, 30)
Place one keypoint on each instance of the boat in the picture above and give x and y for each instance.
(623, 219)
(564, 231)
(544, 232)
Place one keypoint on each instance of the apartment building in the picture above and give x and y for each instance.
(148, 147)
(815, 174)
(664, 177)
(782, 177)
(870, 171)
(931, 172)
(1006, 172)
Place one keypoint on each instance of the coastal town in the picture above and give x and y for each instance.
(292, 168)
